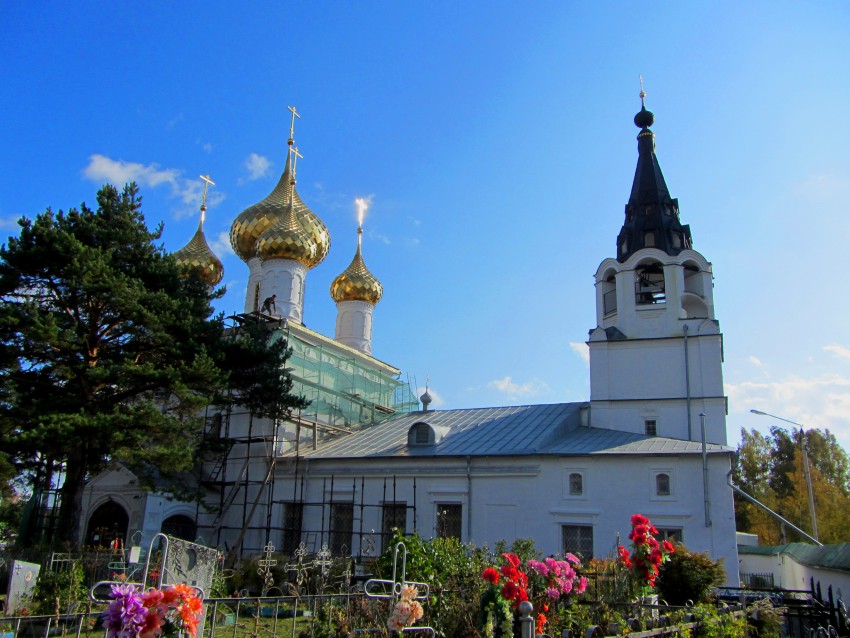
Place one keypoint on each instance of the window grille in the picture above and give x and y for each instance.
(578, 539)
(449, 520)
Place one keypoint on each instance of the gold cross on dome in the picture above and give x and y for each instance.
(642, 92)
(292, 125)
(207, 183)
(295, 159)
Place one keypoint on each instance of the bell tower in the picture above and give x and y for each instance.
(656, 351)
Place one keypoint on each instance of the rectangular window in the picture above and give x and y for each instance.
(662, 484)
(578, 539)
(394, 517)
(293, 514)
(341, 528)
(671, 534)
(651, 427)
(449, 520)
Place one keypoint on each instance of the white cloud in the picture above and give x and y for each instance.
(581, 350)
(207, 147)
(101, 168)
(436, 400)
(755, 361)
(9, 222)
(516, 390)
(819, 402)
(838, 350)
(119, 172)
(221, 244)
(379, 237)
(257, 166)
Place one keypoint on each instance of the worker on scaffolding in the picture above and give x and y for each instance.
(269, 305)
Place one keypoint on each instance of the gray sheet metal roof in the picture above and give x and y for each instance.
(552, 429)
(828, 556)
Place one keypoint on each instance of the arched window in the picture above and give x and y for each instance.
(662, 484)
(576, 484)
(180, 526)
(649, 284)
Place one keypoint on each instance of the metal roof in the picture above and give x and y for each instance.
(828, 556)
(549, 429)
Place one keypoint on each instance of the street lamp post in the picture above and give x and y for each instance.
(806, 470)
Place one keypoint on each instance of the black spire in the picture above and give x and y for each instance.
(652, 216)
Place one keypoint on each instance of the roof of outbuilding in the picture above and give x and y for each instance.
(829, 556)
(549, 429)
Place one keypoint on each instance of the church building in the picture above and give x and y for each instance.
(365, 457)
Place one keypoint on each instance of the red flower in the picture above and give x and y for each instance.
(491, 575)
(667, 546)
(541, 623)
(509, 572)
(510, 591)
(512, 559)
(640, 519)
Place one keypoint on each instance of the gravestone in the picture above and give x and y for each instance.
(189, 563)
(22, 579)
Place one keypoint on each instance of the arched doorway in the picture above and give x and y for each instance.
(180, 526)
(107, 524)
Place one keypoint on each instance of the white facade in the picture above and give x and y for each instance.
(656, 353)
(354, 324)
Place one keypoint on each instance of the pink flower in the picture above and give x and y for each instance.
(582, 585)
(553, 594)
(573, 559)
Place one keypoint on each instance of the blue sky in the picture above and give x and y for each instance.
(495, 140)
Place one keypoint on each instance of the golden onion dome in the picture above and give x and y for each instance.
(198, 255)
(287, 239)
(356, 283)
(257, 219)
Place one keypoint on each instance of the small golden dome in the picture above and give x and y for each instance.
(257, 219)
(198, 254)
(356, 283)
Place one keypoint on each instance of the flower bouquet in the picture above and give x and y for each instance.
(167, 612)
(647, 554)
(407, 610)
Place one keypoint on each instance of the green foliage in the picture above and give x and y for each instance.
(718, 624)
(453, 574)
(689, 576)
(764, 620)
(109, 351)
(770, 468)
(58, 592)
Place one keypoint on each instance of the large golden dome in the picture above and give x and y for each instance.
(198, 254)
(257, 219)
(356, 283)
(287, 239)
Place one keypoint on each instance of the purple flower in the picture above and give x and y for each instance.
(125, 616)
(553, 594)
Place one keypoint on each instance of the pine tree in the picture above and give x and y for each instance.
(109, 352)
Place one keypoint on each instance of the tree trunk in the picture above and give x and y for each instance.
(71, 507)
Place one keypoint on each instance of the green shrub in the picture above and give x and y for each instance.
(689, 577)
(58, 591)
(764, 620)
(714, 623)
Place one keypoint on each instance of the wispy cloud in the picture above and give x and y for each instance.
(821, 402)
(513, 390)
(119, 172)
(581, 350)
(9, 222)
(755, 361)
(257, 165)
(838, 350)
(374, 234)
(220, 244)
